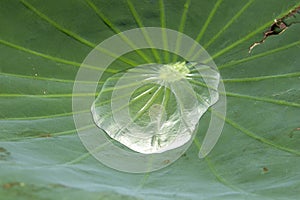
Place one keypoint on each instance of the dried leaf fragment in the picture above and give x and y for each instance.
(279, 26)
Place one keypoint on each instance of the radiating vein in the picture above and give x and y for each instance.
(220, 178)
(42, 135)
(78, 159)
(49, 95)
(104, 19)
(74, 35)
(208, 20)
(163, 25)
(87, 154)
(111, 26)
(181, 28)
(229, 23)
(66, 114)
(256, 136)
(148, 104)
(58, 26)
(137, 115)
(248, 36)
(138, 20)
(229, 80)
(47, 78)
(125, 105)
(260, 78)
(253, 57)
(205, 26)
(263, 99)
(53, 58)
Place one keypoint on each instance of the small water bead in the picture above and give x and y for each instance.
(155, 107)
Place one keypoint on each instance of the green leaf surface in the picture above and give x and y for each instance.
(43, 43)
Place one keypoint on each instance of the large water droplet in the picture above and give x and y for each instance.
(155, 107)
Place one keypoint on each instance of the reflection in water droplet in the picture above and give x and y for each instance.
(155, 107)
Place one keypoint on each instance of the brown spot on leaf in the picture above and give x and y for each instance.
(12, 184)
(58, 185)
(3, 153)
(165, 162)
(291, 134)
(265, 169)
(46, 135)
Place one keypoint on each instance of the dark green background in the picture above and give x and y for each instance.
(42, 44)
